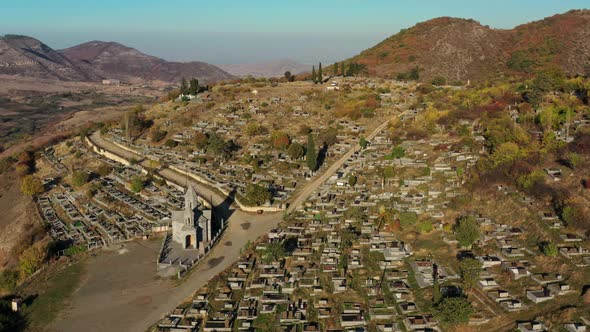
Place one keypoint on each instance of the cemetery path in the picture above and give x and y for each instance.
(319, 180)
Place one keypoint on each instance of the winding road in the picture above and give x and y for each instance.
(135, 305)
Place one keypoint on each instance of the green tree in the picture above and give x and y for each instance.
(573, 160)
(31, 185)
(296, 151)
(398, 152)
(548, 249)
(414, 74)
(467, 231)
(313, 75)
(274, 251)
(288, 76)
(256, 195)
(470, 269)
(137, 184)
(363, 142)
(183, 87)
(343, 69)
(193, 88)
(320, 75)
(408, 219)
(436, 295)
(335, 69)
(454, 310)
(311, 154)
(79, 178)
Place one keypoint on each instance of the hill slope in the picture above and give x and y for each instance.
(460, 49)
(26, 56)
(114, 60)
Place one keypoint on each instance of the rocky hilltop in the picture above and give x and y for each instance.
(462, 49)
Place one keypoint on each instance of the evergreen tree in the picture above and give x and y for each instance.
(193, 87)
(183, 87)
(336, 69)
(343, 69)
(311, 154)
(313, 76)
(320, 76)
(436, 296)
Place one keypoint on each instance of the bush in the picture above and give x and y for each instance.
(408, 219)
(8, 279)
(438, 81)
(137, 184)
(425, 226)
(80, 178)
(548, 249)
(31, 185)
(454, 311)
(31, 260)
(256, 195)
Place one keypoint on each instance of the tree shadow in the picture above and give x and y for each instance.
(224, 210)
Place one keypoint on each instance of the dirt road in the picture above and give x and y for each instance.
(319, 180)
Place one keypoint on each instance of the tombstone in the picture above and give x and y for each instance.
(16, 304)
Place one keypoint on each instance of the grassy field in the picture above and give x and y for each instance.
(53, 295)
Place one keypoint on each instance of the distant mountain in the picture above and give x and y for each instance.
(265, 69)
(460, 49)
(114, 60)
(26, 56)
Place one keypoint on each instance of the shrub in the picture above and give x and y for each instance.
(454, 310)
(31, 185)
(548, 249)
(408, 219)
(79, 178)
(137, 184)
(256, 195)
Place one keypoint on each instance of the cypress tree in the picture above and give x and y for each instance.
(311, 155)
(336, 69)
(343, 69)
(320, 76)
(436, 296)
(183, 87)
(313, 76)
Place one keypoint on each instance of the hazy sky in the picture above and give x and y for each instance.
(245, 31)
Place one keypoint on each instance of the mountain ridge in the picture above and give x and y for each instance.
(464, 49)
(96, 60)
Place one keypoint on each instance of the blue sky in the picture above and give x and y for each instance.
(246, 31)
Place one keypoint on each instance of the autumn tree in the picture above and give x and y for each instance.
(31, 260)
(280, 140)
(31, 185)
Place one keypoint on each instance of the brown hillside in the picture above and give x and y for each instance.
(460, 49)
